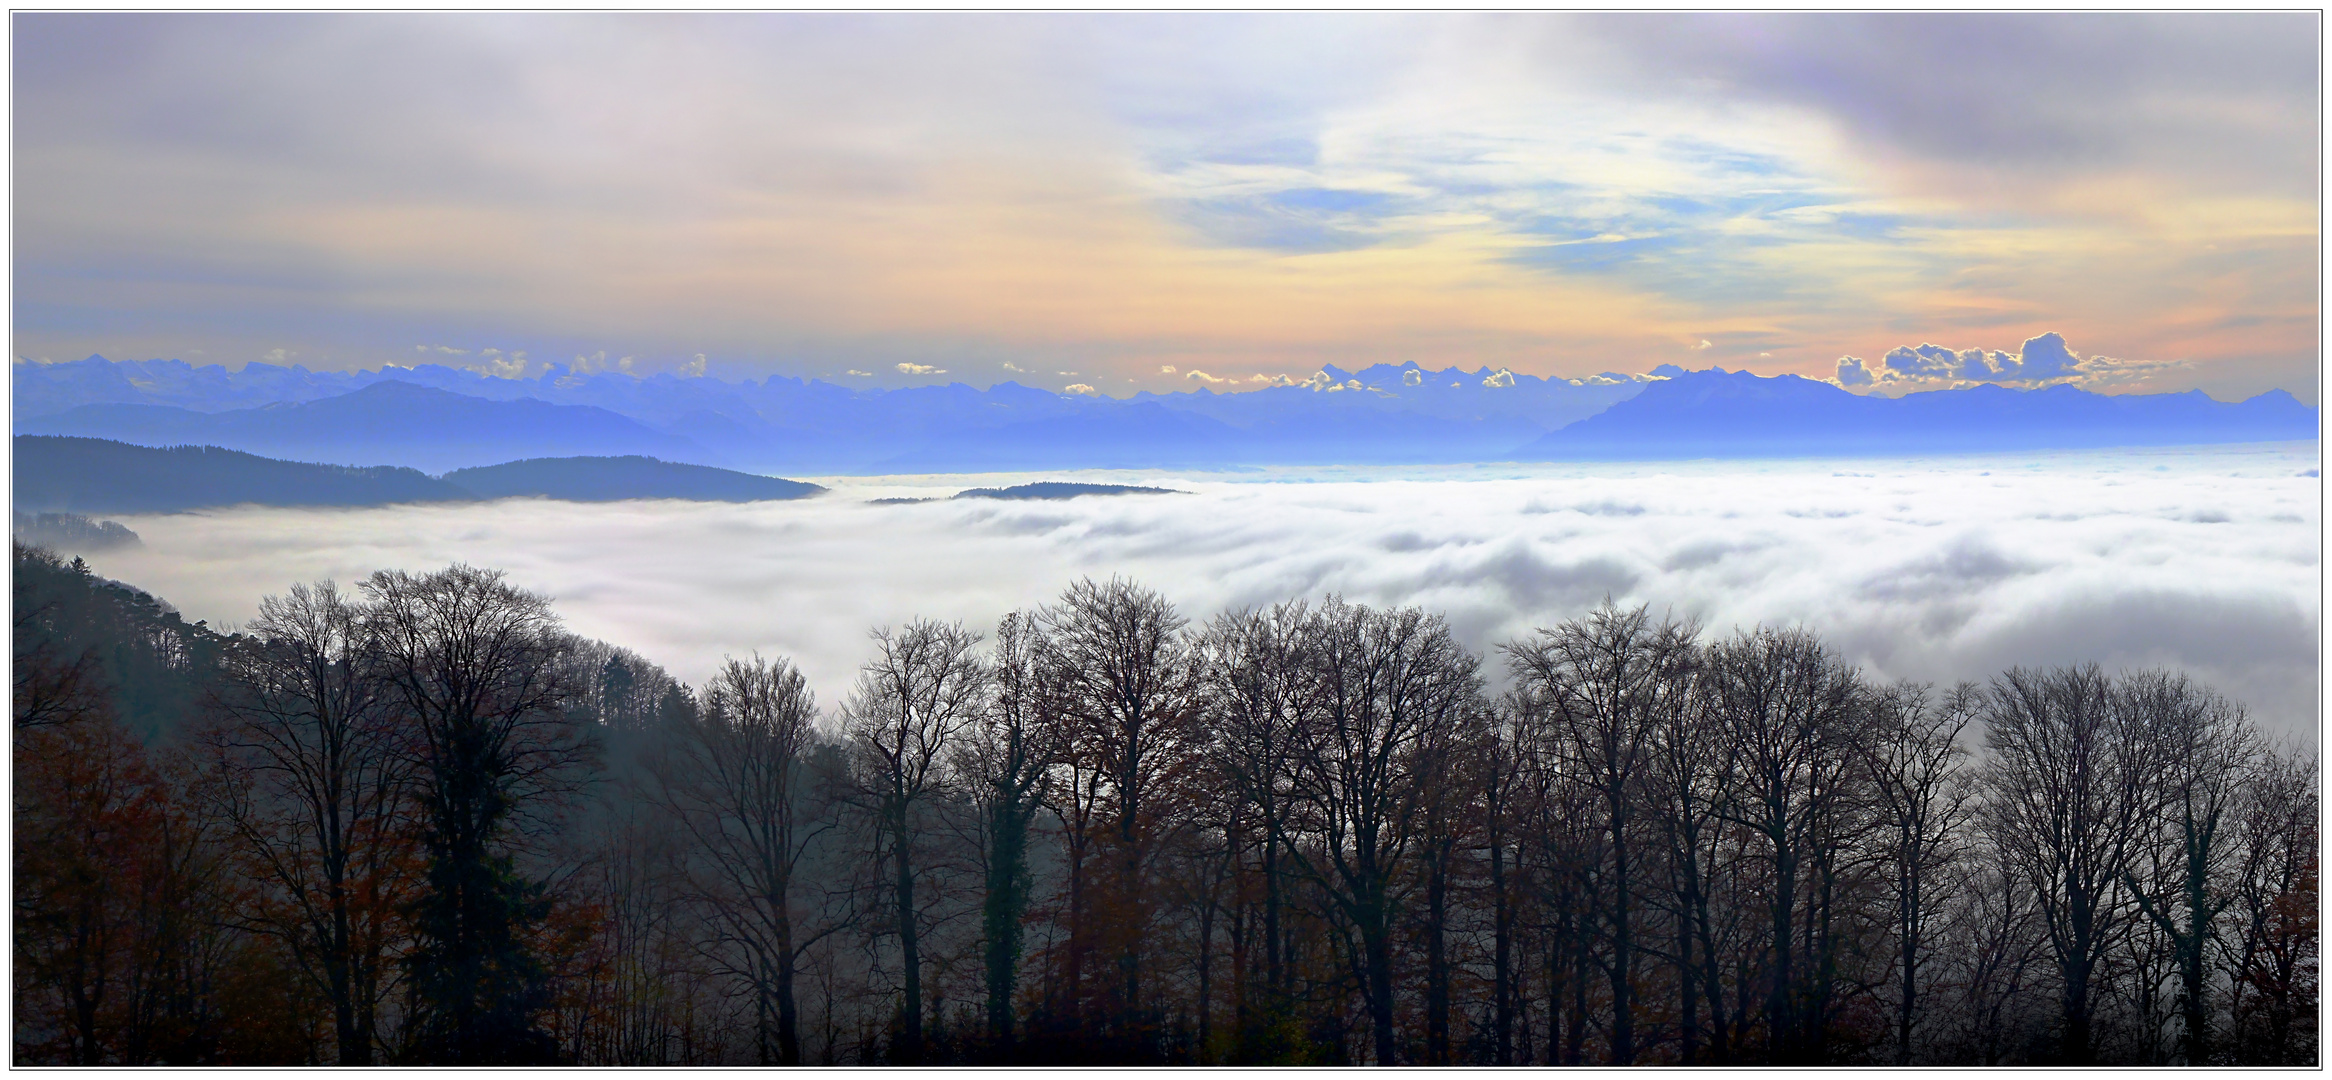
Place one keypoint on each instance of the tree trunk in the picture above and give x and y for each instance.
(1374, 942)
(1005, 902)
(1688, 1022)
(1781, 1016)
(1908, 919)
(1206, 970)
(1502, 930)
(1623, 1013)
(789, 1044)
(910, 1048)
(1437, 965)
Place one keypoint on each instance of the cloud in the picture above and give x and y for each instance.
(1499, 378)
(1925, 569)
(920, 369)
(1166, 370)
(2046, 357)
(1412, 377)
(496, 366)
(860, 374)
(1704, 344)
(1196, 375)
(2042, 360)
(278, 355)
(1499, 188)
(598, 362)
(1081, 388)
(1010, 366)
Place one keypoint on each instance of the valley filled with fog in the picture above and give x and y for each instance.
(1939, 569)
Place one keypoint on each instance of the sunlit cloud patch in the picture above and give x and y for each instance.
(1938, 569)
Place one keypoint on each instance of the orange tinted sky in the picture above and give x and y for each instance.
(996, 197)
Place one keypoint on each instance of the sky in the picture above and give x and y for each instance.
(2203, 560)
(1893, 201)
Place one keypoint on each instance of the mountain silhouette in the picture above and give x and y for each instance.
(390, 422)
(1719, 414)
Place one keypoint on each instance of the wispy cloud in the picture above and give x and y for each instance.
(1538, 192)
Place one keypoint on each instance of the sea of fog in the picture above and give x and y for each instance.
(1934, 569)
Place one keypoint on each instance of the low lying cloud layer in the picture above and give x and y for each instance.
(1936, 569)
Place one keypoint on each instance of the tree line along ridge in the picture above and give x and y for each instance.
(417, 821)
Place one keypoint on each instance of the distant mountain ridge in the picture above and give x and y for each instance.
(1737, 414)
(66, 474)
(1386, 414)
(387, 422)
(1383, 414)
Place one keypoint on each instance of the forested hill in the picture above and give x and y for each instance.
(606, 479)
(1054, 489)
(1310, 833)
(59, 473)
(98, 476)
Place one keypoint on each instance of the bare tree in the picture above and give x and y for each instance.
(1005, 761)
(472, 663)
(1693, 770)
(923, 685)
(739, 783)
(1500, 778)
(1389, 682)
(1793, 713)
(1127, 689)
(1923, 803)
(312, 777)
(1994, 957)
(2208, 752)
(2069, 791)
(2276, 955)
(1258, 689)
(1607, 681)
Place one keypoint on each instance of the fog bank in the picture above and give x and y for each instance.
(1935, 569)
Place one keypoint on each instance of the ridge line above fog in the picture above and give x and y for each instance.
(437, 419)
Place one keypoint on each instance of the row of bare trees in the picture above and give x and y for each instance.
(1305, 833)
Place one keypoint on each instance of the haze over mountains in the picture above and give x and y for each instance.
(435, 419)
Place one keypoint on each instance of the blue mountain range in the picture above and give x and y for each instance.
(436, 418)
(1719, 414)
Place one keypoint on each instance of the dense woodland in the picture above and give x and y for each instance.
(417, 821)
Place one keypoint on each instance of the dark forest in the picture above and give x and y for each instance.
(415, 820)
